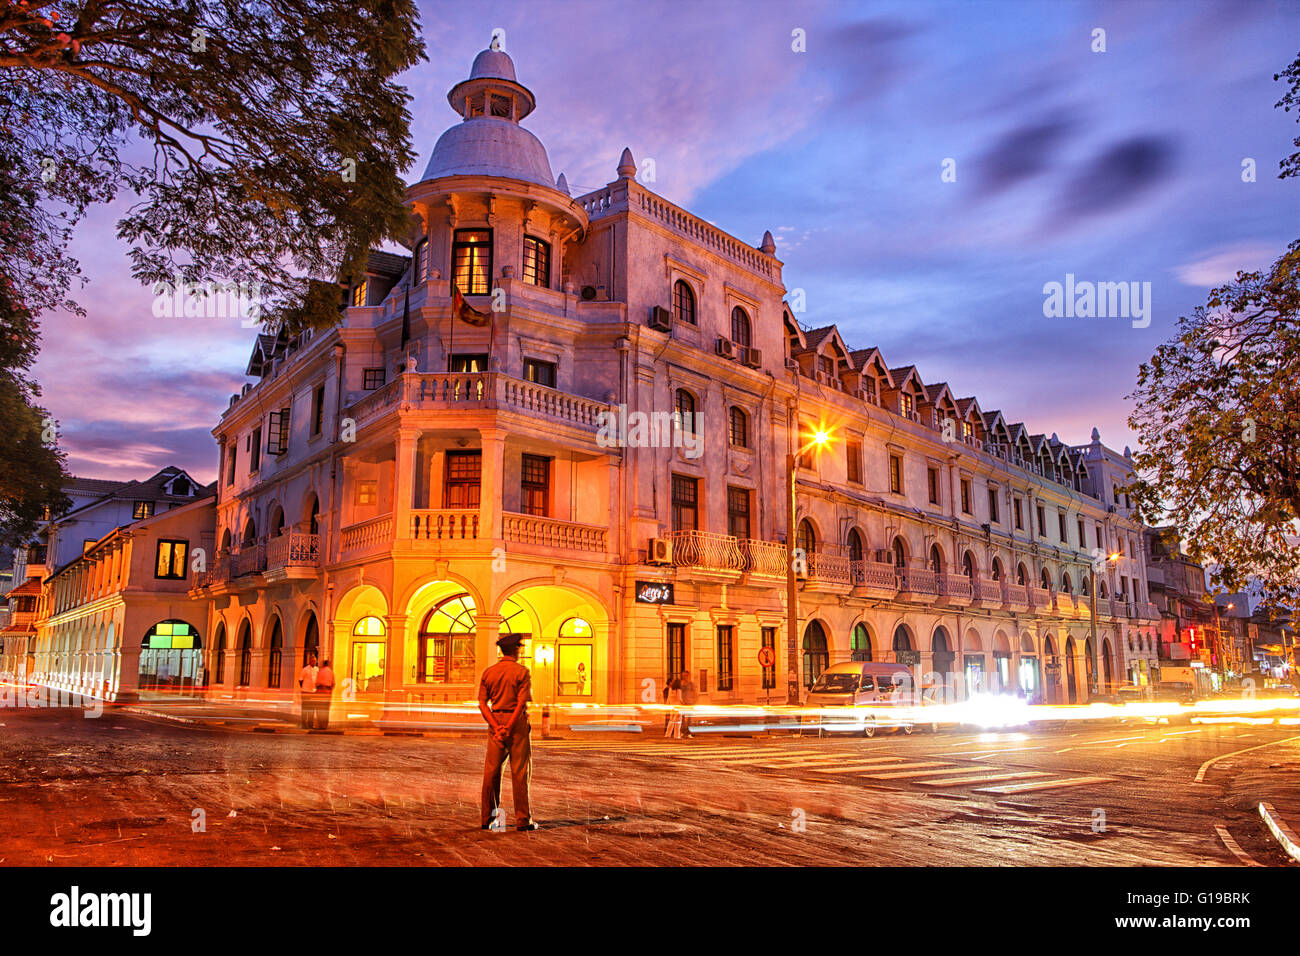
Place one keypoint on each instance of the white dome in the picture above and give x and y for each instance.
(490, 147)
(493, 63)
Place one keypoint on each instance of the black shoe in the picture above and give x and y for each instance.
(528, 826)
(486, 826)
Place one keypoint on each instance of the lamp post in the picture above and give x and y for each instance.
(819, 439)
(1092, 595)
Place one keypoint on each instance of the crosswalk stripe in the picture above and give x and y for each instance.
(859, 765)
(915, 769)
(780, 762)
(991, 778)
(734, 756)
(1045, 785)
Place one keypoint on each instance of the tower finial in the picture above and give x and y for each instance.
(626, 165)
(768, 246)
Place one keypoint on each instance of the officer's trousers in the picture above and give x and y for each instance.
(519, 750)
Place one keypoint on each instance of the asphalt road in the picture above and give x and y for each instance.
(132, 790)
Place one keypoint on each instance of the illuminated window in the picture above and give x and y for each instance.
(684, 412)
(543, 373)
(359, 294)
(170, 561)
(446, 643)
(171, 657)
(471, 256)
(738, 423)
(142, 509)
(537, 262)
(369, 627)
(861, 642)
(461, 487)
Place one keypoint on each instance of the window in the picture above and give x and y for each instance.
(170, 561)
(855, 545)
(683, 303)
(1060, 522)
(535, 485)
(738, 427)
(231, 453)
(769, 671)
(860, 644)
(471, 261)
(968, 565)
(740, 330)
(896, 474)
(676, 650)
(142, 509)
(900, 555)
(372, 378)
(275, 668)
(359, 294)
(277, 439)
(461, 485)
(684, 411)
(853, 453)
(726, 656)
(967, 431)
(317, 409)
(543, 373)
(805, 537)
(256, 461)
(1099, 537)
(421, 260)
(738, 512)
(686, 515)
(1042, 522)
(993, 506)
(1115, 492)
(446, 643)
(1020, 516)
(219, 657)
(367, 492)
(932, 478)
(537, 262)
(468, 364)
(1083, 540)
(905, 405)
(965, 496)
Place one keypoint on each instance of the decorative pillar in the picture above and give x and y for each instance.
(395, 661)
(491, 484)
(487, 628)
(408, 439)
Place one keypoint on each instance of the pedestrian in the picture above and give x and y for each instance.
(307, 681)
(503, 695)
(324, 692)
(689, 697)
(671, 686)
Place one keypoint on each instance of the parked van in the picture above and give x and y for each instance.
(867, 687)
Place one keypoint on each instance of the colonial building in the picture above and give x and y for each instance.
(591, 448)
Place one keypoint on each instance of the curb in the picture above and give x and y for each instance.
(161, 716)
(297, 731)
(1277, 826)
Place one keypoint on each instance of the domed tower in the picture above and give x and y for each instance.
(488, 205)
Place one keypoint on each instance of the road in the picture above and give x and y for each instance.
(135, 790)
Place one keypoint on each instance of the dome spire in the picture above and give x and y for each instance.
(626, 165)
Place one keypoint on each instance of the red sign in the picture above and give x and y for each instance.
(766, 657)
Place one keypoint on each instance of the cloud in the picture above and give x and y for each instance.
(1117, 176)
(1020, 154)
(1221, 266)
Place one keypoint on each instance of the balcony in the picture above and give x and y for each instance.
(294, 555)
(552, 534)
(704, 551)
(829, 573)
(445, 524)
(216, 575)
(474, 391)
(917, 584)
(373, 536)
(1015, 597)
(764, 559)
(1040, 599)
(1146, 611)
(988, 593)
(250, 559)
(874, 579)
(956, 589)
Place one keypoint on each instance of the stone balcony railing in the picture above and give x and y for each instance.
(553, 533)
(1015, 594)
(445, 524)
(918, 581)
(496, 391)
(829, 569)
(1040, 599)
(369, 535)
(294, 549)
(874, 574)
(988, 592)
(956, 587)
(706, 551)
(249, 559)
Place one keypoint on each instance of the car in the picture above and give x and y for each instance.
(1173, 692)
(859, 685)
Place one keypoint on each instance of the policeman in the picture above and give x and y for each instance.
(503, 696)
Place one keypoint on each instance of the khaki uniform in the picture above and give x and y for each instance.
(504, 684)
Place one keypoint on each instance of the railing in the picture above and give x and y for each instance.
(918, 581)
(1015, 594)
(703, 233)
(874, 574)
(828, 568)
(704, 549)
(294, 549)
(988, 591)
(956, 585)
(218, 571)
(532, 529)
(1040, 598)
(367, 534)
(248, 560)
(1148, 611)
(447, 524)
(763, 557)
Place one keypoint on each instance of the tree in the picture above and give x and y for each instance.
(261, 143)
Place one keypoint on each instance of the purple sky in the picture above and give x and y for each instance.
(1115, 166)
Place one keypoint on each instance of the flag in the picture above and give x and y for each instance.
(406, 318)
(467, 313)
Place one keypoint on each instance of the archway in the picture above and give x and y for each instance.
(1071, 690)
(974, 663)
(1051, 672)
(861, 642)
(1002, 663)
(1029, 674)
(942, 653)
(566, 643)
(1089, 667)
(275, 656)
(816, 655)
(219, 657)
(1107, 673)
(310, 639)
(171, 658)
(245, 675)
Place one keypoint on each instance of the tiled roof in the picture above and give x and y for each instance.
(386, 263)
(29, 588)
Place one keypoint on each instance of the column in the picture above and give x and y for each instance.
(404, 481)
(491, 484)
(395, 662)
(487, 630)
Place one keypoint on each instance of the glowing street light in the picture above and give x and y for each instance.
(820, 438)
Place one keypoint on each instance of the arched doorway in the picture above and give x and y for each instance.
(219, 657)
(861, 642)
(1107, 674)
(816, 655)
(1002, 677)
(171, 658)
(311, 640)
(942, 654)
(1089, 667)
(245, 655)
(369, 655)
(275, 659)
(1051, 672)
(1071, 690)
(1029, 676)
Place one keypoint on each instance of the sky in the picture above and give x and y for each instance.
(926, 169)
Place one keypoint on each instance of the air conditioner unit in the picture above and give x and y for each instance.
(725, 347)
(661, 319)
(751, 357)
(660, 551)
(594, 293)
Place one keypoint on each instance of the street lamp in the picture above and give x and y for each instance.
(1092, 595)
(819, 439)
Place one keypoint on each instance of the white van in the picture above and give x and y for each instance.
(867, 687)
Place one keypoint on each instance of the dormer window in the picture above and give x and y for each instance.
(180, 487)
(142, 509)
(906, 404)
(359, 294)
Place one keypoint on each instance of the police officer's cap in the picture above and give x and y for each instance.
(509, 641)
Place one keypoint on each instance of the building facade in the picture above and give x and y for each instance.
(574, 419)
